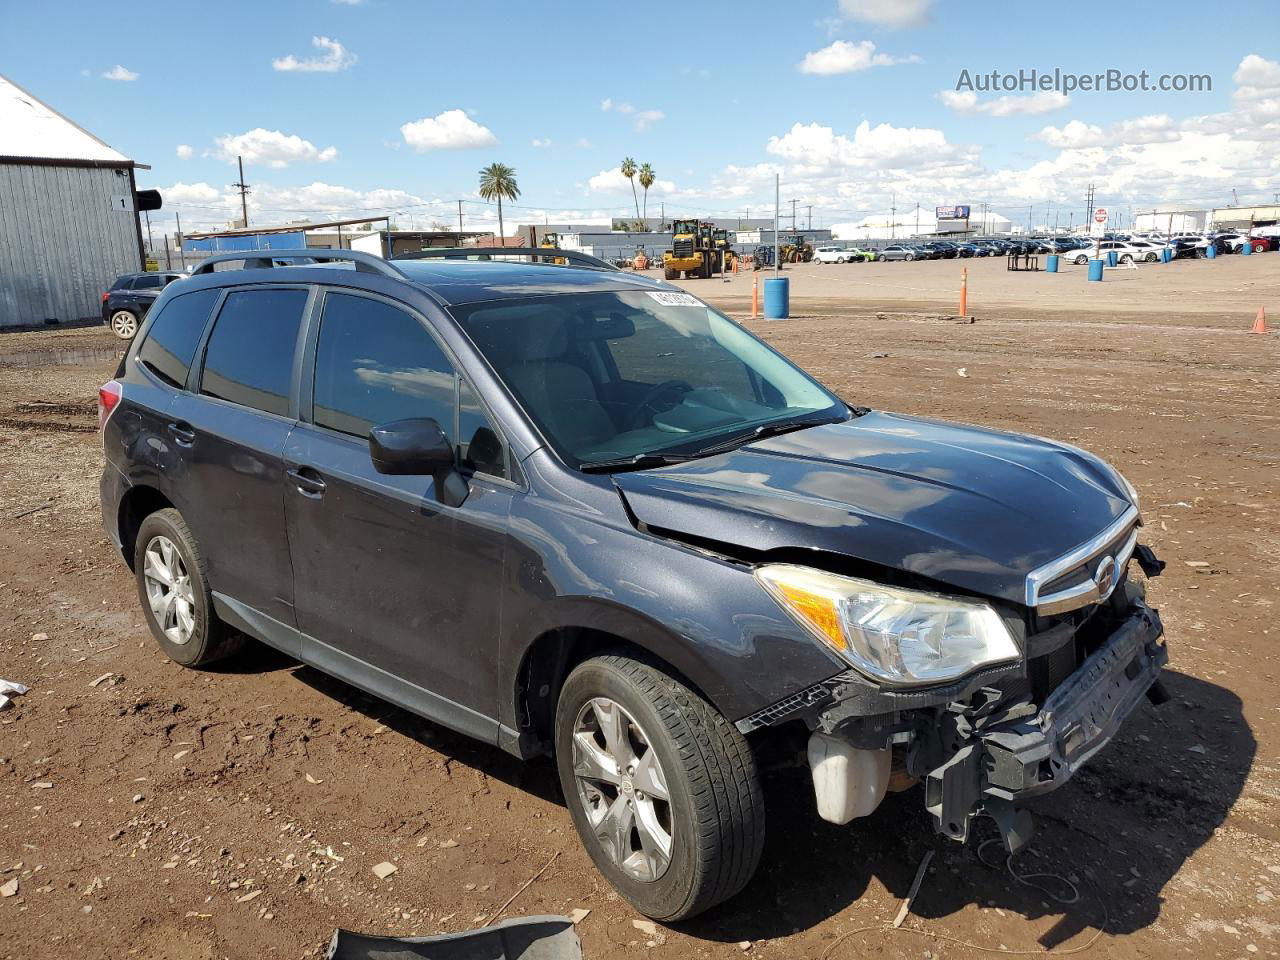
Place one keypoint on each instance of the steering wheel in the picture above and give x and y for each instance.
(650, 398)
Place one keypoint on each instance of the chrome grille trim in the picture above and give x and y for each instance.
(1082, 594)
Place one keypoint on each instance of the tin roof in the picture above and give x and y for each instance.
(30, 129)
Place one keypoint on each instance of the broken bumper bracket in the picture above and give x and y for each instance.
(1005, 761)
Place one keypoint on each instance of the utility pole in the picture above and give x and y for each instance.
(244, 191)
(777, 211)
(810, 215)
(1088, 205)
(459, 221)
(917, 219)
(151, 251)
(178, 236)
(168, 261)
(793, 215)
(893, 214)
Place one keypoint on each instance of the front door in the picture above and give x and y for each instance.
(396, 592)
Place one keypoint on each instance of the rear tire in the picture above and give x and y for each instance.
(669, 274)
(173, 587)
(713, 814)
(124, 324)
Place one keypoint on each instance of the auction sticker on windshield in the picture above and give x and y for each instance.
(676, 299)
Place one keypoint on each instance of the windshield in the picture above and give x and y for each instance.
(610, 376)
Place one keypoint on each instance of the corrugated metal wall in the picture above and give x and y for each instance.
(61, 244)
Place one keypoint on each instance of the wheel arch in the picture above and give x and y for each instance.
(554, 651)
(138, 503)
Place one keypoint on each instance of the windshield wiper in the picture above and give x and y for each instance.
(641, 461)
(762, 431)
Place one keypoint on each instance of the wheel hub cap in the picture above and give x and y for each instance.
(623, 789)
(169, 591)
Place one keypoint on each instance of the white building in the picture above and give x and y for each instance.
(912, 222)
(1170, 221)
(68, 214)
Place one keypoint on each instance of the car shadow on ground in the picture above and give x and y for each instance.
(537, 778)
(1119, 831)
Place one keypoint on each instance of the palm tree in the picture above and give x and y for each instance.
(497, 181)
(646, 181)
(629, 171)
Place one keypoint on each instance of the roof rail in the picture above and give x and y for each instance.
(264, 259)
(573, 257)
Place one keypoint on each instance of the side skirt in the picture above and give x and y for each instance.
(367, 677)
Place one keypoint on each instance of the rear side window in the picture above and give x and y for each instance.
(175, 333)
(152, 281)
(249, 359)
(376, 363)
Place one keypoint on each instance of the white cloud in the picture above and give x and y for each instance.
(584, 144)
(189, 193)
(1256, 78)
(333, 57)
(119, 73)
(967, 102)
(612, 181)
(884, 146)
(1076, 135)
(642, 119)
(893, 14)
(271, 148)
(348, 3)
(183, 151)
(540, 142)
(450, 130)
(845, 57)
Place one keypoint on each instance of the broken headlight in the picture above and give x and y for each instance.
(899, 637)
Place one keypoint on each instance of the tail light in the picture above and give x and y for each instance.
(105, 295)
(109, 395)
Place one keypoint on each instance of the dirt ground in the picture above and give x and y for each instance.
(154, 812)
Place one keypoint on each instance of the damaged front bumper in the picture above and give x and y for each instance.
(1007, 753)
(987, 743)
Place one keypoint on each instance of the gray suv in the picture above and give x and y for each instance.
(578, 513)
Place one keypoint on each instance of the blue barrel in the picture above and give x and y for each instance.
(1246, 248)
(1051, 264)
(1166, 255)
(1095, 269)
(1111, 258)
(777, 298)
(1210, 252)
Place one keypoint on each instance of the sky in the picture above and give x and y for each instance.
(347, 108)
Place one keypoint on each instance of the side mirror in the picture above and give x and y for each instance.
(410, 447)
(418, 447)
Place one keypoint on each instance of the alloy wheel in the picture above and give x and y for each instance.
(623, 789)
(124, 324)
(169, 591)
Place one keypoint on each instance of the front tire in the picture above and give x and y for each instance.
(662, 789)
(124, 324)
(173, 586)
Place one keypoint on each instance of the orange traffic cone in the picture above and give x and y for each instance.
(1260, 324)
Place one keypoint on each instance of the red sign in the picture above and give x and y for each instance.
(1100, 215)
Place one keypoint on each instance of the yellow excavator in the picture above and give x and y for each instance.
(695, 250)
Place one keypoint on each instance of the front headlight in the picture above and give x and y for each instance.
(899, 637)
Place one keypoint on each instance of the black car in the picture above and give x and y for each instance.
(578, 513)
(130, 297)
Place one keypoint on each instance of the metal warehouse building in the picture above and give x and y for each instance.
(68, 220)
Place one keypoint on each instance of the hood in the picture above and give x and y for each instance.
(972, 508)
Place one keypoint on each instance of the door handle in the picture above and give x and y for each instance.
(307, 481)
(183, 433)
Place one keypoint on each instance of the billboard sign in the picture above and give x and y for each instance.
(952, 213)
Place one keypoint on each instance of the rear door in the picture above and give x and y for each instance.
(232, 432)
(396, 591)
